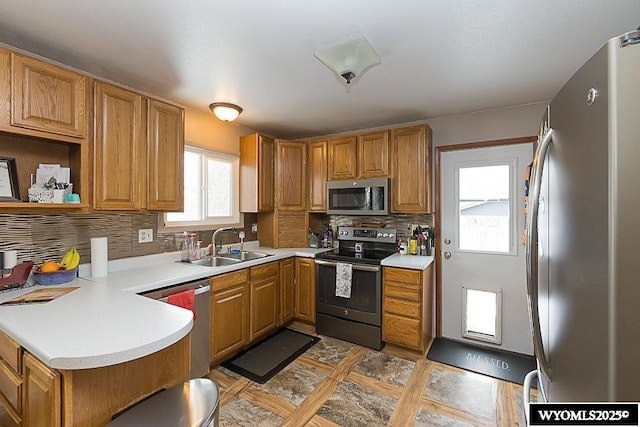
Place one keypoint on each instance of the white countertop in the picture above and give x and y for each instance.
(104, 322)
(414, 262)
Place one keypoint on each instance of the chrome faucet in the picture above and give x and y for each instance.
(213, 238)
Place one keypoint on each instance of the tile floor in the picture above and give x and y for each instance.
(336, 383)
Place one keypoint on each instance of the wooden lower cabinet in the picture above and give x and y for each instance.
(229, 314)
(41, 400)
(37, 395)
(264, 300)
(287, 290)
(407, 307)
(305, 295)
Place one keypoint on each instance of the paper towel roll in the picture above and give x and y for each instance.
(10, 259)
(99, 256)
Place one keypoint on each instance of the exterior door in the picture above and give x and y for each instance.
(484, 298)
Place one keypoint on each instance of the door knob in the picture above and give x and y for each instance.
(447, 241)
(447, 255)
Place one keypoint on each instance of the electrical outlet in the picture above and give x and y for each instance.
(145, 235)
(254, 228)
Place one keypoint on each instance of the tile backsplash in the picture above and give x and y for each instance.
(48, 237)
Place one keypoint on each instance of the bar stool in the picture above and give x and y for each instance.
(193, 403)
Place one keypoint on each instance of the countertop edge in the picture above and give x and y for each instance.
(73, 363)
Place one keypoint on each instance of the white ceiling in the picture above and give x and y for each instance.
(439, 57)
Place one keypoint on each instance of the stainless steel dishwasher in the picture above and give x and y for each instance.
(201, 331)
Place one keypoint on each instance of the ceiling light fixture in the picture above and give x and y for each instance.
(349, 60)
(225, 111)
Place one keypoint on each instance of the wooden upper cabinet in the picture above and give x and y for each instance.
(119, 150)
(342, 158)
(358, 156)
(165, 154)
(291, 175)
(411, 169)
(373, 155)
(256, 173)
(47, 98)
(318, 176)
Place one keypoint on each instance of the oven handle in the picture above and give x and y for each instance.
(359, 267)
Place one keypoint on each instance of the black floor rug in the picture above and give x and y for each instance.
(266, 358)
(500, 364)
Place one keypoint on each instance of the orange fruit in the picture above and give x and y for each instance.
(49, 267)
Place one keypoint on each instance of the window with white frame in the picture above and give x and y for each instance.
(210, 191)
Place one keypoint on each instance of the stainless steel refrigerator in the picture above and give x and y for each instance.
(583, 233)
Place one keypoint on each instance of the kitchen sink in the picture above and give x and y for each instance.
(247, 256)
(227, 259)
(216, 261)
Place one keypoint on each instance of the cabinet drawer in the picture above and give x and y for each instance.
(404, 308)
(401, 330)
(397, 290)
(260, 271)
(403, 275)
(10, 385)
(11, 352)
(230, 279)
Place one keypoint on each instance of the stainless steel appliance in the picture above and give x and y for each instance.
(583, 233)
(357, 319)
(200, 333)
(358, 197)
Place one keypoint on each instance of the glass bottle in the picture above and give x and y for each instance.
(413, 245)
(184, 255)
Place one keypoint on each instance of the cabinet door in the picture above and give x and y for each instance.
(256, 173)
(265, 174)
(411, 170)
(287, 293)
(342, 158)
(291, 175)
(165, 151)
(119, 155)
(305, 306)
(318, 176)
(264, 306)
(229, 324)
(41, 405)
(48, 98)
(373, 155)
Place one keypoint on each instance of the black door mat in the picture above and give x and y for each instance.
(495, 363)
(266, 358)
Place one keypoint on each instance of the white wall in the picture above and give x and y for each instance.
(204, 130)
(510, 122)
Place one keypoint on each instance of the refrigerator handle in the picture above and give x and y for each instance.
(526, 392)
(532, 251)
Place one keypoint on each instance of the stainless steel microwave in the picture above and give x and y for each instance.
(358, 197)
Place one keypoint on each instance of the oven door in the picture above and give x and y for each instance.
(365, 304)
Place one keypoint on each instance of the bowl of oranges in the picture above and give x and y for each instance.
(55, 273)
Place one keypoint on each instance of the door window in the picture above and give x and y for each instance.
(485, 208)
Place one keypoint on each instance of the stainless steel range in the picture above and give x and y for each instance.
(357, 317)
